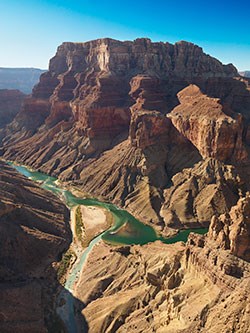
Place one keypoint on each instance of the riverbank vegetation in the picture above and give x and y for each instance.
(79, 227)
(66, 263)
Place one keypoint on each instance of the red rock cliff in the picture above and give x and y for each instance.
(98, 116)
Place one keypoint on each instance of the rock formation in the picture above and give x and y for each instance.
(198, 287)
(121, 119)
(215, 130)
(209, 188)
(34, 231)
(232, 231)
(162, 130)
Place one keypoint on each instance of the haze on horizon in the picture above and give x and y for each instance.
(31, 31)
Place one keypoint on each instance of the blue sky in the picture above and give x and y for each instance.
(32, 30)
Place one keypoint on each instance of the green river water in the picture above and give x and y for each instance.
(139, 233)
(134, 232)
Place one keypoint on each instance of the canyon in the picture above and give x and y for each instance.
(198, 287)
(161, 130)
(121, 119)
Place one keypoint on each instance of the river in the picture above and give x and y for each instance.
(126, 230)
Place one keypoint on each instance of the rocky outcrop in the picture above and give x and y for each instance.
(121, 119)
(34, 231)
(214, 129)
(232, 231)
(209, 188)
(232, 92)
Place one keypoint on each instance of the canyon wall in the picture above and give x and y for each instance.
(34, 232)
(200, 286)
(162, 130)
(121, 119)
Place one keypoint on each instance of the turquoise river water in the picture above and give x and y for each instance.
(135, 233)
(139, 233)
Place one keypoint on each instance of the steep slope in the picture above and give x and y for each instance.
(197, 193)
(121, 119)
(202, 286)
(22, 79)
(34, 231)
(214, 129)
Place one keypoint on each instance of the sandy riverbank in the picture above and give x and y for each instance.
(93, 221)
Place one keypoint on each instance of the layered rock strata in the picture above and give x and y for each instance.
(198, 287)
(215, 130)
(122, 118)
(34, 231)
(197, 193)
(232, 231)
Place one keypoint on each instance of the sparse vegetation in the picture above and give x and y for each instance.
(79, 226)
(66, 263)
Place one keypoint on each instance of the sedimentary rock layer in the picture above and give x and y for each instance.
(122, 118)
(215, 130)
(162, 130)
(198, 287)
